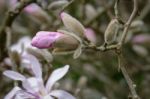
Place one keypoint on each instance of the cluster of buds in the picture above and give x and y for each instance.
(65, 41)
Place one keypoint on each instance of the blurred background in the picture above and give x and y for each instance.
(94, 75)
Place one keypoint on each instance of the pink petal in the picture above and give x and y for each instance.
(90, 35)
(55, 76)
(32, 8)
(14, 75)
(44, 39)
(61, 94)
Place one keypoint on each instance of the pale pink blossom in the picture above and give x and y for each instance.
(90, 35)
(45, 39)
(33, 87)
(37, 14)
(141, 38)
(32, 8)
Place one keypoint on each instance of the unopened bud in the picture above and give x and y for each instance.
(72, 24)
(44, 39)
(90, 35)
(66, 42)
(137, 23)
(140, 50)
(78, 50)
(60, 42)
(37, 14)
(90, 11)
(111, 31)
(57, 4)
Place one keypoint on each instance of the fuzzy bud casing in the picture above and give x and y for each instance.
(72, 24)
(111, 31)
(66, 43)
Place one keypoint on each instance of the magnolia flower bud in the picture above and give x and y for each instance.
(72, 24)
(111, 31)
(137, 23)
(44, 39)
(37, 14)
(58, 41)
(90, 11)
(57, 4)
(66, 42)
(90, 35)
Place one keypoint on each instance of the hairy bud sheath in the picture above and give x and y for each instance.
(72, 24)
(111, 31)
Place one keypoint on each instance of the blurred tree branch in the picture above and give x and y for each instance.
(11, 15)
(118, 47)
(127, 24)
(120, 56)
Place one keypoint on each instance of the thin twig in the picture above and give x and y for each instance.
(127, 25)
(68, 4)
(116, 9)
(127, 77)
(11, 15)
(101, 48)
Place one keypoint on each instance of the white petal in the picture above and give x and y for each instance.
(25, 41)
(35, 65)
(47, 97)
(31, 84)
(14, 75)
(12, 93)
(55, 76)
(61, 94)
(23, 94)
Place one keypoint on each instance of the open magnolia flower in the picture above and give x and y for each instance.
(20, 50)
(33, 87)
(23, 42)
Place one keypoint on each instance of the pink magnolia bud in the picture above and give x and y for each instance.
(33, 8)
(58, 41)
(141, 39)
(37, 14)
(44, 39)
(90, 35)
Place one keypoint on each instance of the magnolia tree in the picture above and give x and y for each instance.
(99, 39)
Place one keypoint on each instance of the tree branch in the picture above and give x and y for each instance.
(11, 15)
(127, 25)
(130, 83)
(116, 9)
